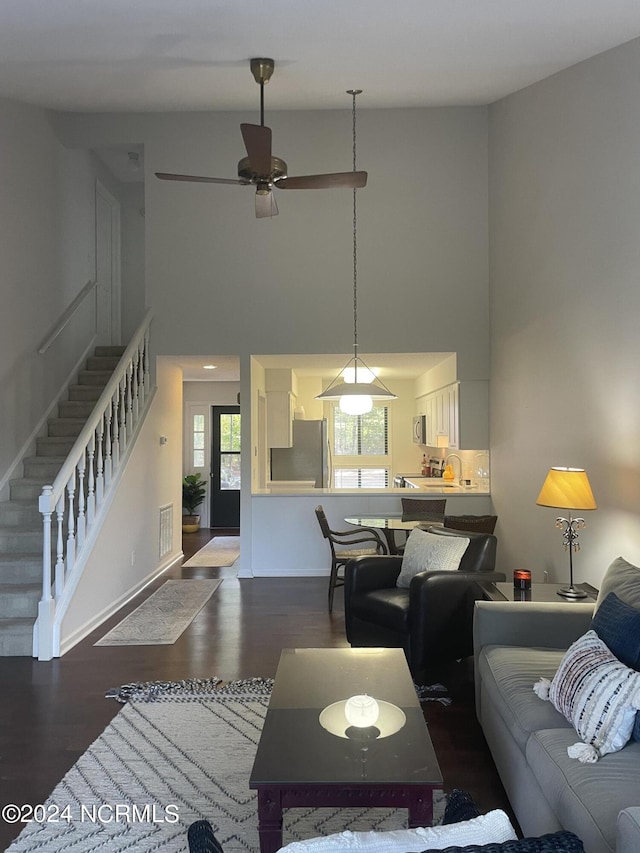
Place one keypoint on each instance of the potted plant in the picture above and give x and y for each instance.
(193, 491)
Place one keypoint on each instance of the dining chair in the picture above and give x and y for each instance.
(423, 509)
(344, 540)
(429, 510)
(477, 523)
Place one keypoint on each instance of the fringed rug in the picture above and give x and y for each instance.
(218, 552)
(164, 616)
(174, 754)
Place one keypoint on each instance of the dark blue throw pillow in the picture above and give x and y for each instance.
(555, 842)
(618, 626)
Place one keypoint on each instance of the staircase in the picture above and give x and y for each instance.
(21, 534)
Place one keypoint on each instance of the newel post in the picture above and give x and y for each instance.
(43, 629)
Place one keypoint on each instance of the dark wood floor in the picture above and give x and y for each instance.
(51, 711)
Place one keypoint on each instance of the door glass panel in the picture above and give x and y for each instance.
(198, 458)
(229, 471)
(230, 433)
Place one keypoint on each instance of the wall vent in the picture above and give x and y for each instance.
(166, 530)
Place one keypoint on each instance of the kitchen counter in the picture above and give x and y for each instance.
(286, 538)
(438, 489)
(438, 486)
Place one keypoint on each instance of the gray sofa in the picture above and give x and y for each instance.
(515, 644)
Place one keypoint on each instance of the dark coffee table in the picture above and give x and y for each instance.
(300, 763)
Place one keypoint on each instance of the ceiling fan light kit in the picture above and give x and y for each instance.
(261, 169)
(356, 398)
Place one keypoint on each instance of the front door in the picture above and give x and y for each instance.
(225, 466)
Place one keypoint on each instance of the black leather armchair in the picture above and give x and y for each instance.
(433, 619)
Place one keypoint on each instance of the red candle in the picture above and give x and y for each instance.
(522, 579)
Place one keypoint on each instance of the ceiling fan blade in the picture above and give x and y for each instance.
(198, 179)
(257, 141)
(266, 205)
(355, 180)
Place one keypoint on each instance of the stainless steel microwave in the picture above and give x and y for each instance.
(420, 429)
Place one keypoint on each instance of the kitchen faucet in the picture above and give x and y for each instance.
(455, 456)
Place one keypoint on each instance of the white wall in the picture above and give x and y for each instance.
(220, 280)
(152, 479)
(565, 305)
(133, 264)
(47, 250)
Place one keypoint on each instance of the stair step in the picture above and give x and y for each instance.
(16, 637)
(60, 427)
(110, 350)
(20, 540)
(55, 445)
(19, 600)
(85, 392)
(102, 362)
(75, 408)
(16, 513)
(21, 568)
(94, 377)
(27, 488)
(44, 468)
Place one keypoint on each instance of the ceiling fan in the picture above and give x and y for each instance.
(264, 171)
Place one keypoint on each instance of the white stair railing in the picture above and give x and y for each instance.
(72, 505)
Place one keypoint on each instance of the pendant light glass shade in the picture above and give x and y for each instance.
(354, 386)
(352, 404)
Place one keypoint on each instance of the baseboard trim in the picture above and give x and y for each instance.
(83, 631)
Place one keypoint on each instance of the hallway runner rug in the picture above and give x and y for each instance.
(164, 616)
(174, 754)
(219, 552)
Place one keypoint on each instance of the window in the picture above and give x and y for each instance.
(361, 449)
(229, 451)
(198, 441)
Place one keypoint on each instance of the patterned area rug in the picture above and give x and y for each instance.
(221, 551)
(164, 616)
(174, 754)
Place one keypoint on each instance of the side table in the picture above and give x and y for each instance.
(546, 592)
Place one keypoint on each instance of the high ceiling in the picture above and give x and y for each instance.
(142, 55)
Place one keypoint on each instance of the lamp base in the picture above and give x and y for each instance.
(572, 592)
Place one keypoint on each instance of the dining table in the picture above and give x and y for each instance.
(389, 524)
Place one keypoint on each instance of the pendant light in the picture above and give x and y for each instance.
(356, 397)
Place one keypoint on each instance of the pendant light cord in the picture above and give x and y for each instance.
(354, 93)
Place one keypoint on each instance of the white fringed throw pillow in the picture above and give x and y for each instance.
(597, 694)
(428, 552)
(493, 827)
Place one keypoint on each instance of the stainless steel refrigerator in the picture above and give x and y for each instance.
(308, 459)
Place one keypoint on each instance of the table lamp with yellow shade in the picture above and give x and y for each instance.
(568, 488)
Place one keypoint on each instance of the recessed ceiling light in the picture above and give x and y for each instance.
(209, 366)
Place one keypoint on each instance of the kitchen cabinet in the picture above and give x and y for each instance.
(469, 415)
(458, 413)
(429, 407)
(441, 402)
(280, 410)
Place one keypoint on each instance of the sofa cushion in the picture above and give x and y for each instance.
(618, 626)
(597, 694)
(508, 674)
(623, 578)
(427, 552)
(585, 797)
